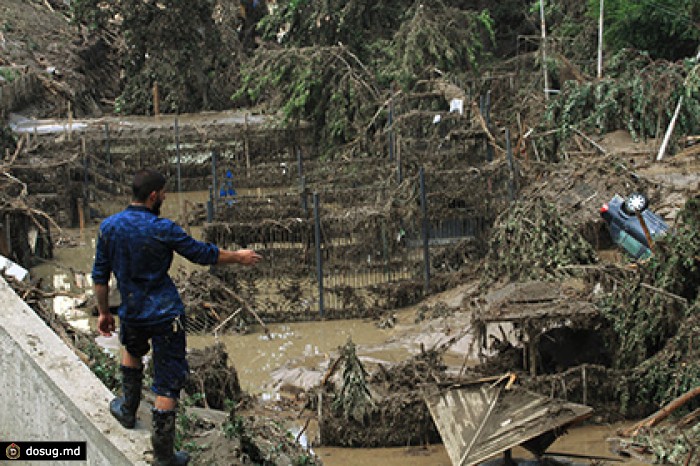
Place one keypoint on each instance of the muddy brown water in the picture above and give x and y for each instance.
(299, 353)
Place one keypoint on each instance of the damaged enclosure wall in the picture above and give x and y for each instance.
(25, 239)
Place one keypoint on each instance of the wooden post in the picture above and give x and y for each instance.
(70, 122)
(8, 234)
(81, 219)
(246, 149)
(532, 350)
(662, 414)
(156, 100)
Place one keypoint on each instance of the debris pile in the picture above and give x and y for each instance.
(212, 377)
(363, 410)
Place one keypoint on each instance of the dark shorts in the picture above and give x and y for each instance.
(170, 369)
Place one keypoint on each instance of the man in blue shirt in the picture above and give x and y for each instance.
(137, 246)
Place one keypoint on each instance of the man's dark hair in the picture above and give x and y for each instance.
(145, 182)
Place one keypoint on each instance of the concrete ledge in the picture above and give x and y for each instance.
(48, 394)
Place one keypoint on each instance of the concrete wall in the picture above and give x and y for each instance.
(48, 394)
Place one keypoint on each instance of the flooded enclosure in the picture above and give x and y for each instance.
(356, 249)
(424, 182)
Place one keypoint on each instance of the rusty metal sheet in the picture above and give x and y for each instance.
(479, 421)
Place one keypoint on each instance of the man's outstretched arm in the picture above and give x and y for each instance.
(240, 256)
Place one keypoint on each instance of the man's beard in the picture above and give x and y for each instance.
(156, 207)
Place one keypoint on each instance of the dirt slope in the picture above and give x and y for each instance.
(36, 37)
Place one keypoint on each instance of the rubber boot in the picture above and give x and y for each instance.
(124, 407)
(163, 439)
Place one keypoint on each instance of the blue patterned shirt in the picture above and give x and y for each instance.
(138, 247)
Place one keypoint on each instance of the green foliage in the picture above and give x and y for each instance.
(94, 14)
(102, 364)
(638, 94)
(234, 426)
(437, 36)
(664, 28)
(336, 87)
(656, 315)
(304, 460)
(328, 87)
(174, 44)
(184, 47)
(672, 445)
(354, 399)
(353, 23)
(8, 74)
(531, 241)
(186, 422)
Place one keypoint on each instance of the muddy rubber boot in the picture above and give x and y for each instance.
(163, 440)
(124, 407)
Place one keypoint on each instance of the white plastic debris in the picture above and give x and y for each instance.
(457, 105)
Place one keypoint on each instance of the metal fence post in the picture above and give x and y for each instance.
(300, 162)
(210, 206)
(304, 201)
(215, 182)
(319, 258)
(177, 153)
(302, 181)
(426, 232)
